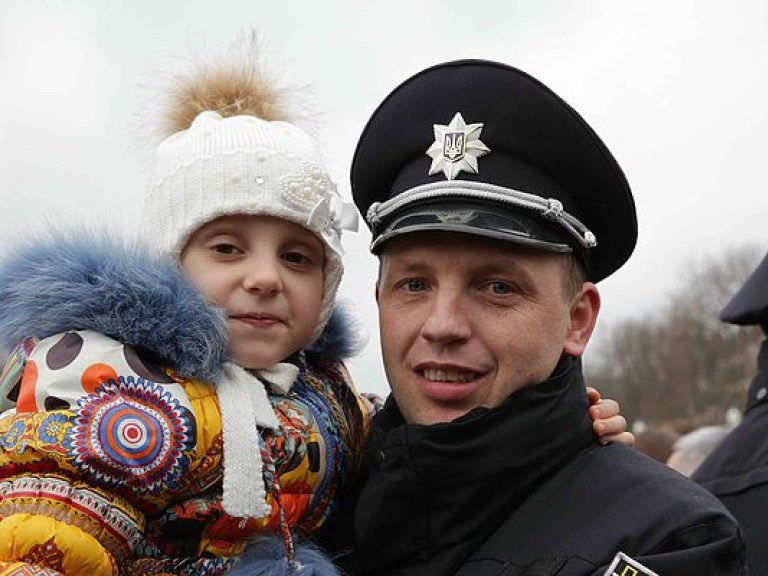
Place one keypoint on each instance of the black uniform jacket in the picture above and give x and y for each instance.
(737, 470)
(523, 489)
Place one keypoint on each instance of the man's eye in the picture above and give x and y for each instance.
(414, 285)
(501, 288)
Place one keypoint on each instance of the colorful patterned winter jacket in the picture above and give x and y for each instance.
(111, 465)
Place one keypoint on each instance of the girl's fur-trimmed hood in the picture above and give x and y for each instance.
(90, 281)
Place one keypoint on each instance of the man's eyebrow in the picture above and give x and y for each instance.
(410, 265)
(501, 265)
(402, 267)
(496, 265)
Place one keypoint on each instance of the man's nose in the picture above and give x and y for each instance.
(448, 320)
(263, 276)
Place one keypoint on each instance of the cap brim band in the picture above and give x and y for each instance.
(491, 221)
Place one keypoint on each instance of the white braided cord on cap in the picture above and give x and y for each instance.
(549, 208)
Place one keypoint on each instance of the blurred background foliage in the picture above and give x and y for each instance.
(682, 367)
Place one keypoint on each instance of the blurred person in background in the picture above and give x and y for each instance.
(737, 470)
(691, 449)
(656, 442)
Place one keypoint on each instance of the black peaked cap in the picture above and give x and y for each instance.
(749, 306)
(538, 145)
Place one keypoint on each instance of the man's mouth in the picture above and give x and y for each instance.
(448, 375)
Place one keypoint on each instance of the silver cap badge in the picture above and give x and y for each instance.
(457, 147)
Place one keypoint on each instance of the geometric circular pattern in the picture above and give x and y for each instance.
(132, 433)
(129, 437)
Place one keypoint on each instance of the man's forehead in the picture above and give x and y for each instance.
(440, 240)
(420, 249)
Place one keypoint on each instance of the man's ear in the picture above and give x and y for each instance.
(583, 317)
(378, 278)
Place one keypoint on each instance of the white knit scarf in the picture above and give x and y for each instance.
(244, 408)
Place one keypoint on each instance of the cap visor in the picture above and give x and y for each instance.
(492, 221)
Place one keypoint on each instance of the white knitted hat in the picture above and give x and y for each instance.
(246, 165)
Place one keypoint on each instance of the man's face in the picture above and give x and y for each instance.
(465, 321)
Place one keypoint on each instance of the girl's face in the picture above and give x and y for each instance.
(267, 275)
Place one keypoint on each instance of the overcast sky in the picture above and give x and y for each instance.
(678, 90)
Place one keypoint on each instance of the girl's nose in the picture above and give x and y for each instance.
(263, 276)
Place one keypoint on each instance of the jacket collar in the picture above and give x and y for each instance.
(758, 389)
(436, 493)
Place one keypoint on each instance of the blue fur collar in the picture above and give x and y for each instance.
(265, 556)
(79, 281)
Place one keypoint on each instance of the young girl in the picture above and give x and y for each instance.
(247, 429)
(170, 409)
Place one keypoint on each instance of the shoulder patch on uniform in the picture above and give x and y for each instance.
(623, 565)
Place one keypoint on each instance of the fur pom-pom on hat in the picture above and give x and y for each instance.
(238, 86)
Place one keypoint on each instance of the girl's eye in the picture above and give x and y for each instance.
(296, 258)
(224, 248)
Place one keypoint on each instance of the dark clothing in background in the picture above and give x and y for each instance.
(737, 470)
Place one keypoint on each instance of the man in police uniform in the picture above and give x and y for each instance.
(737, 470)
(494, 209)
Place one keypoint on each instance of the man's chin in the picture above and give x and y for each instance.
(429, 413)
